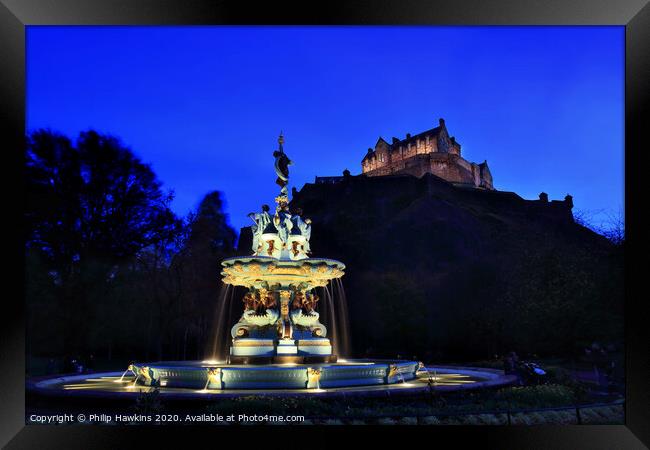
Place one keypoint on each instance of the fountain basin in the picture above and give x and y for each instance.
(257, 271)
(112, 385)
(198, 375)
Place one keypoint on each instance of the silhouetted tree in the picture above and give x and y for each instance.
(209, 239)
(209, 229)
(91, 206)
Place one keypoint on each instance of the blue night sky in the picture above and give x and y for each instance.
(204, 105)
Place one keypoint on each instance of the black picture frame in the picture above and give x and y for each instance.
(15, 15)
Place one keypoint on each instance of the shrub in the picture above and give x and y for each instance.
(332, 422)
(522, 419)
(429, 420)
(542, 396)
(357, 422)
(452, 420)
(148, 402)
(489, 419)
(408, 421)
(386, 421)
(603, 415)
(470, 419)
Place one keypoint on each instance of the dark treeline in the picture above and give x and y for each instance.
(110, 269)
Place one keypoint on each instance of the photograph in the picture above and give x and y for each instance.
(175, 177)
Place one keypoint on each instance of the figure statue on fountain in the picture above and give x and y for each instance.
(259, 311)
(304, 313)
(262, 220)
(282, 218)
(285, 234)
(282, 163)
(300, 228)
(305, 301)
(282, 222)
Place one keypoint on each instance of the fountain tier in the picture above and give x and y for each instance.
(280, 323)
(260, 271)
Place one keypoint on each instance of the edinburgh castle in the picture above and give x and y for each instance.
(432, 151)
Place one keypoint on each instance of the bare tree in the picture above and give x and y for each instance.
(614, 228)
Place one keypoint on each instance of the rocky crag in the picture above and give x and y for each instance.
(443, 272)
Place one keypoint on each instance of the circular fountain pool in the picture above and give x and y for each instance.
(192, 380)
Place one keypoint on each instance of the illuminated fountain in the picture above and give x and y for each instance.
(279, 341)
(280, 323)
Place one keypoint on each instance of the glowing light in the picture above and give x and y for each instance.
(212, 361)
(71, 388)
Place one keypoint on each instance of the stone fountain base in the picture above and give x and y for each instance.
(261, 351)
(282, 359)
(290, 374)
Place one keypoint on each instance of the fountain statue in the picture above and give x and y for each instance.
(280, 322)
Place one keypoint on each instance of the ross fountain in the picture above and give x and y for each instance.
(280, 323)
(279, 340)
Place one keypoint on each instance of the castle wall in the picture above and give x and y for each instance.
(451, 169)
(446, 166)
(384, 157)
(486, 179)
(476, 174)
(466, 165)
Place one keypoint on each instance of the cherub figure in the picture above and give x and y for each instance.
(298, 300)
(250, 302)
